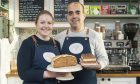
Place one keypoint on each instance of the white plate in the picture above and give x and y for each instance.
(89, 65)
(78, 67)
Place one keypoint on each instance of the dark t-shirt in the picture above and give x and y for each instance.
(25, 60)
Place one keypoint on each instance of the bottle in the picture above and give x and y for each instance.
(97, 24)
(103, 31)
(120, 35)
(13, 61)
(13, 65)
(97, 29)
(117, 28)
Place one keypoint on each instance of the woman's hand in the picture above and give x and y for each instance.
(50, 74)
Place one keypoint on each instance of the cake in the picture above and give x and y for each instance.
(64, 60)
(88, 58)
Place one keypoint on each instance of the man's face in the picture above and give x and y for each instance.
(75, 15)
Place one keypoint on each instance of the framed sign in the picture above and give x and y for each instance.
(26, 11)
(60, 9)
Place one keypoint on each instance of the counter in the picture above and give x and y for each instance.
(129, 74)
(115, 78)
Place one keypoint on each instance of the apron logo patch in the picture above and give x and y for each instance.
(48, 56)
(76, 48)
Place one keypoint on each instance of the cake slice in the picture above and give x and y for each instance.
(88, 58)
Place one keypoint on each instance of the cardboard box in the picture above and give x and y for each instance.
(121, 9)
(87, 9)
(113, 9)
(105, 9)
(95, 10)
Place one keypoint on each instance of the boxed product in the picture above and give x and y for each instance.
(87, 9)
(121, 9)
(113, 9)
(132, 9)
(95, 10)
(105, 9)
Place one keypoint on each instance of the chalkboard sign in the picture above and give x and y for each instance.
(60, 9)
(28, 9)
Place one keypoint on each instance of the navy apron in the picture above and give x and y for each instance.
(85, 76)
(41, 59)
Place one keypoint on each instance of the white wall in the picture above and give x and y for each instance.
(4, 59)
(8, 46)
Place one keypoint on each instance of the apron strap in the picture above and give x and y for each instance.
(54, 42)
(67, 32)
(87, 32)
(36, 44)
(35, 41)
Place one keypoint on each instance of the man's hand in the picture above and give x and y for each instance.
(96, 65)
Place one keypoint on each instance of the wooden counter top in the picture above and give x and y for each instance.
(129, 74)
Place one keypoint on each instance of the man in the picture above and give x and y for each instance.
(79, 40)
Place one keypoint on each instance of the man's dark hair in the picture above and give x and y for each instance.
(76, 3)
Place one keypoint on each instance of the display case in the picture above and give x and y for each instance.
(4, 22)
(4, 27)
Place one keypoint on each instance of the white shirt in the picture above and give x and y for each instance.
(96, 44)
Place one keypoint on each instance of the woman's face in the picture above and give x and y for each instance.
(44, 25)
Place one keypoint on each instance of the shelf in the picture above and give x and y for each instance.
(111, 0)
(112, 16)
(32, 25)
(61, 24)
(3, 8)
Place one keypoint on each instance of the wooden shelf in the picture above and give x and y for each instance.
(111, 0)
(112, 16)
(3, 8)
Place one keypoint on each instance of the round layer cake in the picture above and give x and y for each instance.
(64, 60)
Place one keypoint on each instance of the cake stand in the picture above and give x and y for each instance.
(70, 69)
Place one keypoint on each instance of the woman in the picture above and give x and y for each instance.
(36, 52)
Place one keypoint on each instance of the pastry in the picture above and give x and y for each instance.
(88, 58)
(64, 60)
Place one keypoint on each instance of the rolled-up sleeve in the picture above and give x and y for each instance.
(98, 47)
